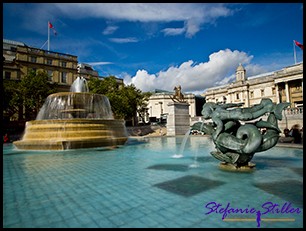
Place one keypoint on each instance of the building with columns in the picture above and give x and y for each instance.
(285, 85)
(158, 105)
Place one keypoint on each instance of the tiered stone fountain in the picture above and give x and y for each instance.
(71, 120)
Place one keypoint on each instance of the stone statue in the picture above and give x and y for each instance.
(178, 96)
(235, 139)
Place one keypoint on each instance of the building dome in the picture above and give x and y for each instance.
(240, 67)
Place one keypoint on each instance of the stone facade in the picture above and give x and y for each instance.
(85, 70)
(285, 85)
(20, 59)
(63, 69)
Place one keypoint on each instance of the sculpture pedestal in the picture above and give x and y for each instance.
(178, 120)
(230, 167)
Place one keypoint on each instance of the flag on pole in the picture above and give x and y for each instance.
(299, 44)
(52, 27)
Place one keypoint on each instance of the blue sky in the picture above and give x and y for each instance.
(161, 45)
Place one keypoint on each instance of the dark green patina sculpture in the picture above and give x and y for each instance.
(236, 133)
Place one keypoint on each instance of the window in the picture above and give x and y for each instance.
(224, 99)
(50, 74)
(262, 92)
(237, 96)
(252, 94)
(64, 77)
(7, 75)
(33, 59)
(64, 64)
(49, 61)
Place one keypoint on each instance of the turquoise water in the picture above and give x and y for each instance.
(141, 185)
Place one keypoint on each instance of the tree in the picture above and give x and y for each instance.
(136, 102)
(126, 101)
(143, 104)
(104, 86)
(12, 100)
(34, 89)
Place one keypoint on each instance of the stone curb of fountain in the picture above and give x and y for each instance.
(154, 131)
(145, 131)
(289, 145)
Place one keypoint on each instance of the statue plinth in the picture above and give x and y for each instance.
(250, 167)
(178, 120)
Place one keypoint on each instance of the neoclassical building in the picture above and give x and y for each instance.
(285, 85)
(158, 105)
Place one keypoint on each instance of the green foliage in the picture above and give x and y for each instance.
(125, 101)
(30, 92)
(12, 100)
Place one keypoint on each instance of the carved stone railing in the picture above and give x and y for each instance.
(294, 110)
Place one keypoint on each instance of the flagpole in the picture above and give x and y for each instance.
(48, 36)
(294, 52)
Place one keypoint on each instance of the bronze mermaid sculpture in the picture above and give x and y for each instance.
(235, 134)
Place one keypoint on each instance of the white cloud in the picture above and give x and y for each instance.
(226, 80)
(124, 40)
(193, 14)
(109, 30)
(254, 69)
(173, 31)
(98, 63)
(143, 79)
(219, 70)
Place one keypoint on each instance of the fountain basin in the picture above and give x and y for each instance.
(72, 134)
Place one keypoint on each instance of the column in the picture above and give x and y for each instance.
(277, 94)
(247, 98)
(287, 92)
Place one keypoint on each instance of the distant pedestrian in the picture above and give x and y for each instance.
(296, 134)
(286, 132)
(6, 138)
(287, 138)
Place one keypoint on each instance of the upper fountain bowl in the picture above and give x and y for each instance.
(75, 105)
